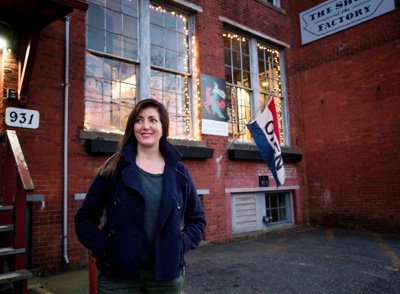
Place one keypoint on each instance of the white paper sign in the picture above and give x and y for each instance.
(214, 127)
(22, 118)
(337, 15)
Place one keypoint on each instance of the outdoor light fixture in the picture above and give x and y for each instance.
(6, 36)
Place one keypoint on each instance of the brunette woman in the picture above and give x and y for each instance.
(153, 213)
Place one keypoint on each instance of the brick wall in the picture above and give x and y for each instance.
(349, 87)
(43, 148)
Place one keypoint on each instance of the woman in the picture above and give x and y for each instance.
(147, 194)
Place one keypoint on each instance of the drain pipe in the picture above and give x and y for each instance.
(66, 86)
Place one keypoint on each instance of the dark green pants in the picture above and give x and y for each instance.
(145, 285)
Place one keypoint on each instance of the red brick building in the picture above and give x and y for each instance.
(336, 99)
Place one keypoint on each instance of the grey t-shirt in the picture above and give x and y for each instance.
(152, 189)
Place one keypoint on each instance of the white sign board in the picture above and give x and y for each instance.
(22, 118)
(334, 16)
(214, 127)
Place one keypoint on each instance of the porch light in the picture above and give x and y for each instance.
(6, 36)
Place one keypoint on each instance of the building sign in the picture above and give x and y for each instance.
(337, 15)
(214, 112)
(22, 118)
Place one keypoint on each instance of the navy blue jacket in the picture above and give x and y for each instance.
(117, 245)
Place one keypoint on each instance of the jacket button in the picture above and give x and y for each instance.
(178, 206)
(116, 202)
(110, 233)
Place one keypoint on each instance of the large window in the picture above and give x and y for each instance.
(252, 74)
(113, 60)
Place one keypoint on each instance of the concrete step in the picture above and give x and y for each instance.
(10, 251)
(6, 228)
(15, 276)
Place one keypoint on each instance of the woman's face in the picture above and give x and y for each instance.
(148, 128)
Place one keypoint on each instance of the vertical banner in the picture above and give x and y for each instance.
(214, 112)
(265, 132)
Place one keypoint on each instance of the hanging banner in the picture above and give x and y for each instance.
(214, 112)
(337, 15)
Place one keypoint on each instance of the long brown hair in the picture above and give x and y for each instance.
(109, 167)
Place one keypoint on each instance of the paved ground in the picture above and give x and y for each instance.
(300, 260)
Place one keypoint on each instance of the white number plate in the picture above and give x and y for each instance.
(22, 118)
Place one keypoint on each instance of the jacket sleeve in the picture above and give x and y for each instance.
(87, 219)
(194, 217)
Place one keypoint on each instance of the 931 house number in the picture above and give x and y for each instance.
(22, 118)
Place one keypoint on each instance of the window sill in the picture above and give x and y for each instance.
(248, 151)
(106, 143)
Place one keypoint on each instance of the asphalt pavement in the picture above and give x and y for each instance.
(297, 260)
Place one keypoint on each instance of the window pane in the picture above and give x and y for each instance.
(130, 7)
(130, 27)
(94, 114)
(228, 74)
(170, 20)
(237, 77)
(238, 101)
(227, 40)
(96, 16)
(170, 40)
(125, 112)
(113, 44)
(245, 46)
(263, 84)
(156, 80)
(113, 21)
(236, 59)
(130, 48)
(128, 94)
(245, 62)
(171, 59)
(169, 82)
(183, 63)
(114, 4)
(128, 73)
(111, 118)
(94, 65)
(95, 39)
(246, 79)
(235, 43)
(94, 89)
(227, 57)
(157, 56)
(156, 35)
(182, 43)
(156, 16)
(181, 25)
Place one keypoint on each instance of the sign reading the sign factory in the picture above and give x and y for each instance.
(337, 15)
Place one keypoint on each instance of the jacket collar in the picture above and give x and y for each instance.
(170, 154)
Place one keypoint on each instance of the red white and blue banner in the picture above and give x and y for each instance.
(265, 132)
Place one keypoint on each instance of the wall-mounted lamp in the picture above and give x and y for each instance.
(6, 36)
